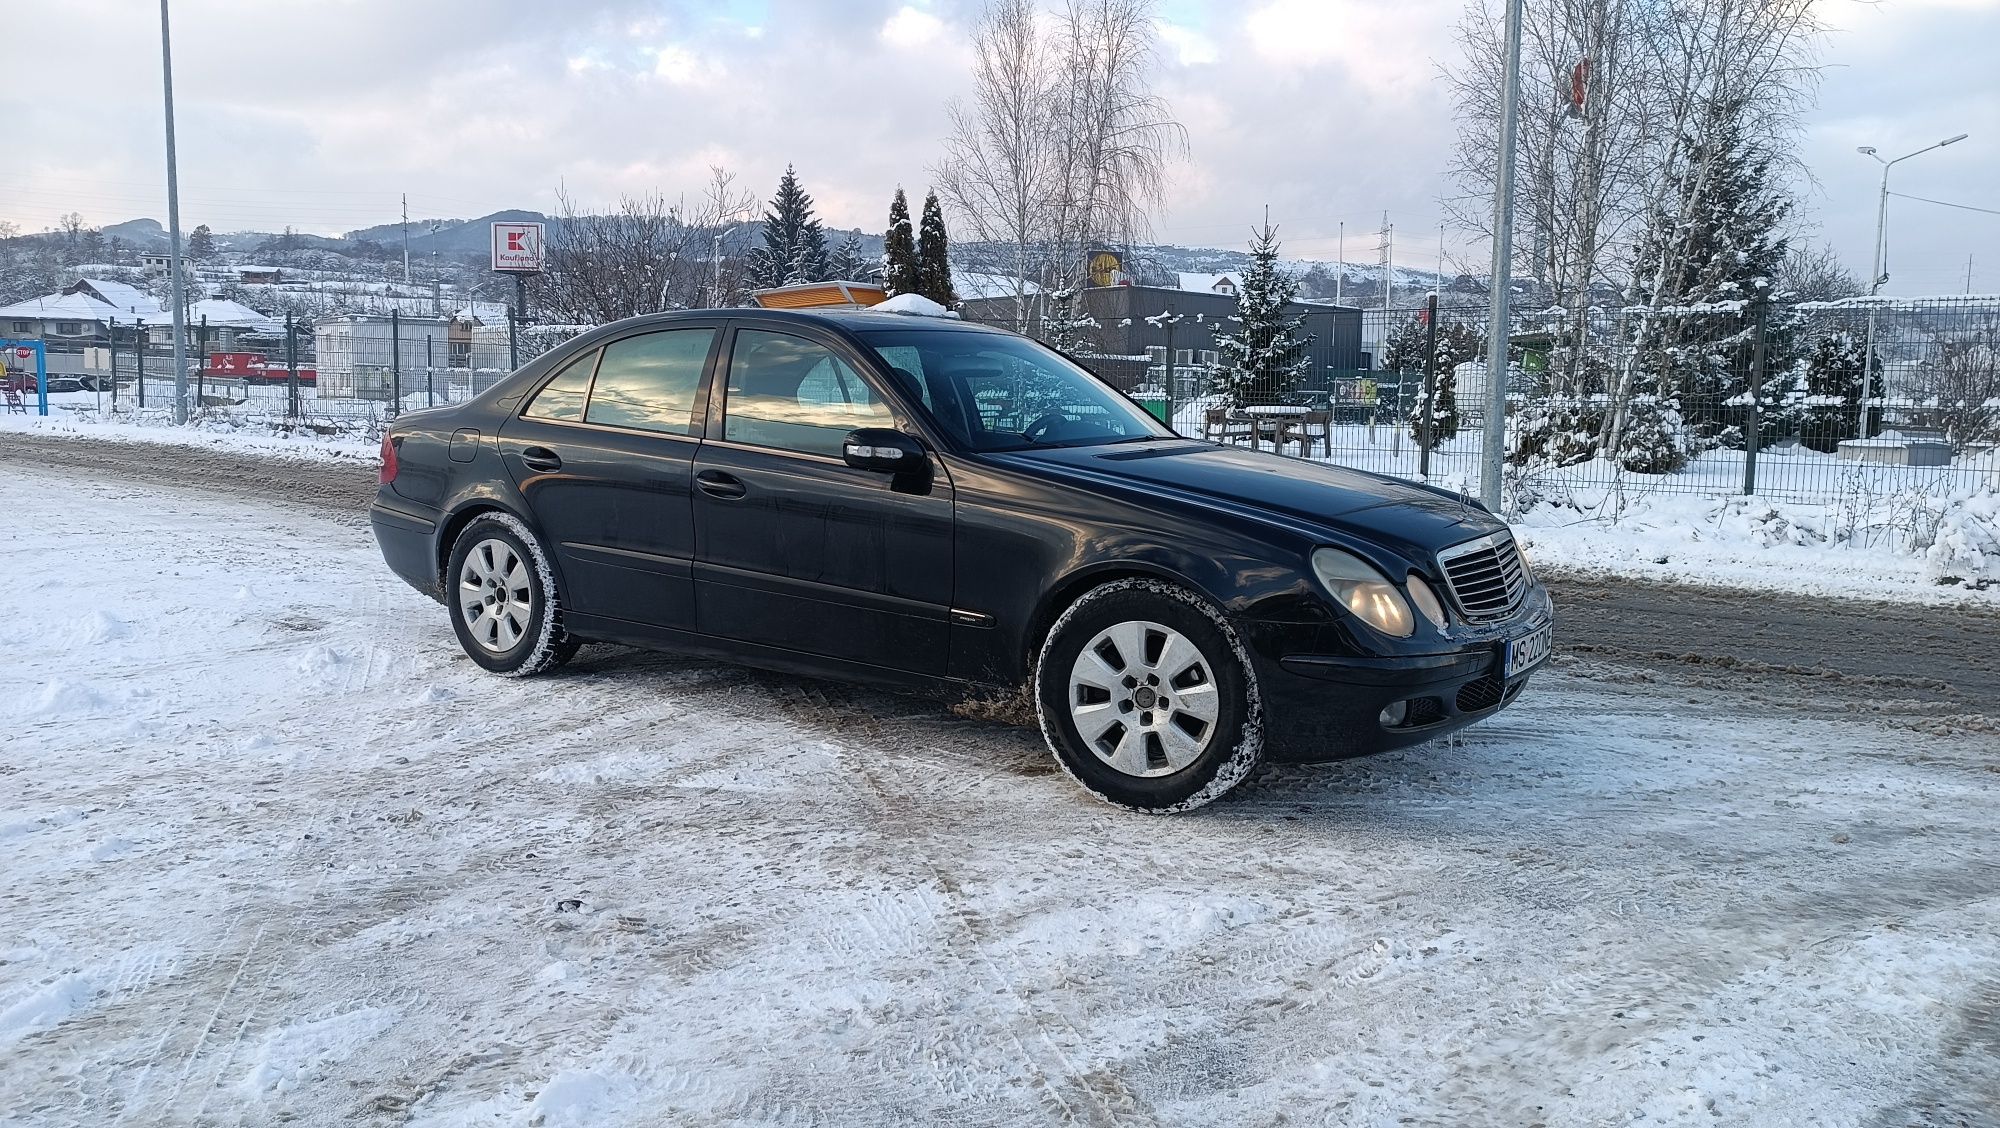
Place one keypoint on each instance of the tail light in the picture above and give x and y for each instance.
(388, 459)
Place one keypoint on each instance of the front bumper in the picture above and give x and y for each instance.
(1329, 705)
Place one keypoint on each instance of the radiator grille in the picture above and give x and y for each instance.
(1486, 576)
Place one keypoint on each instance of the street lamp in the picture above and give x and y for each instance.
(1880, 274)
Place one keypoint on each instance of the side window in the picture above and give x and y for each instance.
(908, 366)
(789, 393)
(649, 382)
(562, 397)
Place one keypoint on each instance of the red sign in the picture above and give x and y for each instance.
(236, 364)
(24, 353)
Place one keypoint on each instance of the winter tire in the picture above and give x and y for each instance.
(1147, 697)
(504, 603)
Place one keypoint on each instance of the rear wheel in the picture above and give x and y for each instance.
(505, 606)
(1147, 697)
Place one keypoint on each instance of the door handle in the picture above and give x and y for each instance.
(540, 458)
(715, 483)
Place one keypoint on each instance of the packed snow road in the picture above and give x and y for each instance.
(275, 852)
(1830, 653)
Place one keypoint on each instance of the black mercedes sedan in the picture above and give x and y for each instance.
(923, 502)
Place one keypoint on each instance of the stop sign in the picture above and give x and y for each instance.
(24, 353)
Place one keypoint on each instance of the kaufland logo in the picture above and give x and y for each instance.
(517, 247)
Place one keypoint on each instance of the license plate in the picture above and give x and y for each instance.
(1530, 650)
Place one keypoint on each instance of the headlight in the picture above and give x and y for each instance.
(1527, 566)
(1366, 592)
(1426, 600)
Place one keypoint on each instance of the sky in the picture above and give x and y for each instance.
(1331, 112)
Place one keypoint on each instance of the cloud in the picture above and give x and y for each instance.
(1187, 46)
(911, 27)
(683, 67)
(1386, 48)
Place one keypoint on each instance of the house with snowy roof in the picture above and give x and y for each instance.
(130, 301)
(78, 315)
(218, 325)
(1228, 283)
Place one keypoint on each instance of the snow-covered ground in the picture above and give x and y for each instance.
(275, 852)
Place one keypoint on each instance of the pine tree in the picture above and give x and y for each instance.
(1065, 323)
(1264, 357)
(1829, 383)
(794, 247)
(848, 263)
(1404, 352)
(1727, 249)
(900, 272)
(200, 243)
(934, 256)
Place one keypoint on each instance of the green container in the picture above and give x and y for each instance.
(1158, 409)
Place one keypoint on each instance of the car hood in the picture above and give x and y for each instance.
(1399, 514)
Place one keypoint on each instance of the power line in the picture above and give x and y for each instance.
(1946, 204)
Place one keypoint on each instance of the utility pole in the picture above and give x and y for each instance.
(1387, 251)
(437, 279)
(1494, 455)
(1340, 276)
(406, 239)
(1968, 274)
(179, 284)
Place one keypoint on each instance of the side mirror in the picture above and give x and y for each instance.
(884, 451)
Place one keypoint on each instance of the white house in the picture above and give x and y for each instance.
(1229, 283)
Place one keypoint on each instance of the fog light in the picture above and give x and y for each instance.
(1395, 714)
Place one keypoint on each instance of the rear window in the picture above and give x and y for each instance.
(563, 397)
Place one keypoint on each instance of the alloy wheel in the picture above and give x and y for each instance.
(1143, 697)
(494, 596)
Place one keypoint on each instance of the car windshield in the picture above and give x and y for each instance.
(997, 391)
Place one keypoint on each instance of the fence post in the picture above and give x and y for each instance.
(395, 362)
(1752, 432)
(201, 360)
(430, 381)
(139, 358)
(292, 363)
(1430, 384)
(112, 347)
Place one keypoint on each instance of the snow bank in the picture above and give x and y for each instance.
(915, 304)
(1912, 548)
(221, 433)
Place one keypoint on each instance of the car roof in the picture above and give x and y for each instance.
(852, 320)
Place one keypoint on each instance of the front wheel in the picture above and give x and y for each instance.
(505, 606)
(1147, 697)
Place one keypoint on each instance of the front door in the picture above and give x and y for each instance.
(604, 454)
(794, 548)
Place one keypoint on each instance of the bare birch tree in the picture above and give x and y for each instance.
(1064, 145)
(998, 159)
(648, 255)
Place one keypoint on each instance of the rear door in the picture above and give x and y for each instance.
(604, 454)
(795, 549)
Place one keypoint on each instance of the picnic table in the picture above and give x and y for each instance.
(1276, 422)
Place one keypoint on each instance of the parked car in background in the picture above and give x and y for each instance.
(924, 502)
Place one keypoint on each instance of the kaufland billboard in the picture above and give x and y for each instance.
(517, 248)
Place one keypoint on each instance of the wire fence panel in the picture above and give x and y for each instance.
(1811, 402)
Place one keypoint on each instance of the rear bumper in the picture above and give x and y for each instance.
(408, 541)
(1330, 706)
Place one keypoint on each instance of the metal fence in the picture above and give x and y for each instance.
(334, 375)
(1775, 401)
